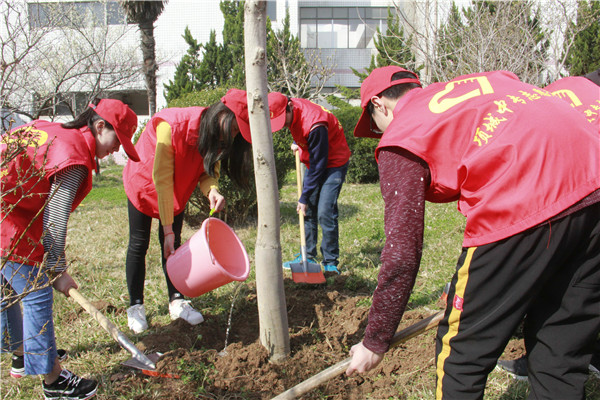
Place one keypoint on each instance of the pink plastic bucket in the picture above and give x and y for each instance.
(205, 263)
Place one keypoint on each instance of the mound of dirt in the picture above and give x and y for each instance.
(324, 323)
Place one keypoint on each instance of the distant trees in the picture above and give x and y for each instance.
(538, 42)
(582, 45)
(211, 65)
(292, 71)
(57, 57)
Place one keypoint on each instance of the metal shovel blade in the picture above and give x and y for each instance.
(307, 272)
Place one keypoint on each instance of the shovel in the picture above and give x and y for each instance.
(305, 272)
(147, 364)
(337, 369)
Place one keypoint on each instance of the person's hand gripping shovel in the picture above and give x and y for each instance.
(304, 272)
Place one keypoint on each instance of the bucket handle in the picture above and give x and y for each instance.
(212, 257)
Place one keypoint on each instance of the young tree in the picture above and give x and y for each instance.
(59, 57)
(145, 14)
(187, 71)
(272, 311)
(288, 69)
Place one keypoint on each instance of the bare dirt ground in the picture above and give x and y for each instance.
(324, 322)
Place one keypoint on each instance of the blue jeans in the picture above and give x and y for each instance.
(35, 327)
(322, 209)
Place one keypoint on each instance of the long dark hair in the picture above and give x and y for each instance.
(396, 91)
(86, 118)
(215, 143)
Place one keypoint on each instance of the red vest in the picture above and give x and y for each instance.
(61, 148)
(510, 153)
(581, 93)
(189, 164)
(306, 115)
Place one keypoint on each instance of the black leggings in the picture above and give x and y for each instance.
(139, 239)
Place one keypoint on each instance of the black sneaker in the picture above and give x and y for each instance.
(595, 365)
(17, 369)
(69, 386)
(516, 368)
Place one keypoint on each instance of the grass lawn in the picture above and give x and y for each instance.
(97, 242)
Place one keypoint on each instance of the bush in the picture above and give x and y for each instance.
(362, 167)
(241, 204)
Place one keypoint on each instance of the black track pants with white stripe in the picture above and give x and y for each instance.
(550, 275)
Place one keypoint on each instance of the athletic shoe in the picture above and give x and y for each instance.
(17, 369)
(330, 268)
(69, 386)
(516, 368)
(182, 309)
(298, 260)
(136, 318)
(595, 365)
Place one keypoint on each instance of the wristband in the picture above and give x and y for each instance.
(213, 187)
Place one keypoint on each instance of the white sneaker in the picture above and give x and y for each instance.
(136, 318)
(182, 309)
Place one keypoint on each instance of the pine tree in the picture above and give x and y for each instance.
(584, 55)
(393, 48)
(232, 57)
(186, 73)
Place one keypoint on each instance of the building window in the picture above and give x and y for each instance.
(75, 14)
(341, 27)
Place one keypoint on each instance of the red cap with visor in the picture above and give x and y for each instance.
(237, 101)
(379, 80)
(123, 120)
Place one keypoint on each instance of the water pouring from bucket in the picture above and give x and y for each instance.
(211, 258)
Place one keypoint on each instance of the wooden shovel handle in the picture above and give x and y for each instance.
(299, 185)
(337, 369)
(94, 312)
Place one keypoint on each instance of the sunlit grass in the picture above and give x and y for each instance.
(97, 243)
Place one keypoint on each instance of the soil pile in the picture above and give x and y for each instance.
(324, 323)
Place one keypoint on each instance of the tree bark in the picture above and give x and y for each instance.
(148, 45)
(272, 311)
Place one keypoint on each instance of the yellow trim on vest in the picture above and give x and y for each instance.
(453, 320)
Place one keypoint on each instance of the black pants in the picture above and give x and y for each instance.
(551, 275)
(140, 226)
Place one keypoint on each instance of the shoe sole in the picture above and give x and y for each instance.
(19, 373)
(62, 397)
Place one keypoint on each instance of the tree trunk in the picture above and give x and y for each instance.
(149, 67)
(272, 311)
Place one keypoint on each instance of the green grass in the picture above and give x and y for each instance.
(97, 242)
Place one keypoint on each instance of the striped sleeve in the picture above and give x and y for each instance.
(57, 212)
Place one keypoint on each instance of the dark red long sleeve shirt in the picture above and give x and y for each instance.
(403, 179)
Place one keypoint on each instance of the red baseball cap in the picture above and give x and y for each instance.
(123, 120)
(237, 101)
(378, 80)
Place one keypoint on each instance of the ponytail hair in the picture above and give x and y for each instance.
(215, 143)
(86, 118)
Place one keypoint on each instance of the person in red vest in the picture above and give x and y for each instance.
(52, 171)
(181, 148)
(583, 94)
(320, 139)
(524, 168)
